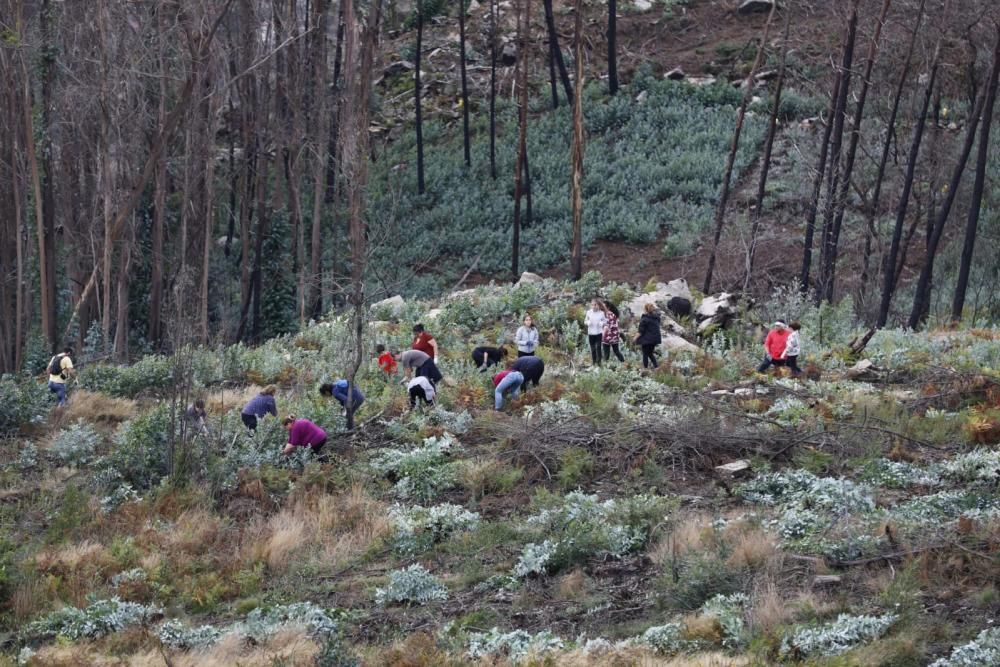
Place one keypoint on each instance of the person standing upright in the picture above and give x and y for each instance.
(611, 337)
(60, 370)
(424, 342)
(594, 321)
(649, 335)
(526, 337)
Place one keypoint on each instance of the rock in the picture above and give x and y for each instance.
(739, 468)
(473, 7)
(755, 6)
(508, 55)
(674, 343)
(643, 5)
(744, 391)
(461, 294)
(677, 287)
(702, 80)
(679, 306)
(527, 278)
(716, 310)
(398, 67)
(394, 305)
(765, 75)
(676, 74)
(660, 297)
(432, 314)
(641, 97)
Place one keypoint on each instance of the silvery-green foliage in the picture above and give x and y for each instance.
(797, 523)
(25, 655)
(664, 639)
(123, 493)
(76, 445)
(729, 609)
(975, 466)
(802, 488)
(535, 558)
(100, 618)
(515, 646)
(263, 622)
(128, 576)
(789, 412)
(553, 411)
(423, 471)
(623, 540)
(837, 637)
(983, 650)
(899, 474)
(28, 458)
(417, 527)
(412, 584)
(174, 634)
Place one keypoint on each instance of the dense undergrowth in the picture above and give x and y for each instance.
(585, 525)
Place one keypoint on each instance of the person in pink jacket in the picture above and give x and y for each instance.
(303, 433)
(774, 346)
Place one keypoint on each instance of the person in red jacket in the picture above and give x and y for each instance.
(424, 342)
(774, 346)
(385, 360)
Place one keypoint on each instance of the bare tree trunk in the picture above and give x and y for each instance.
(465, 84)
(154, 332)
(613, 45)
(122, 301)
(359, 55)
(976, 203)
(824, 150)
(765, 165)
(576, 182)
(888, 278)
(493, 89)
(416, 98)
(523, 25)
(921, 298)
(840, 202)
(555, 56)
(48, 197)
(321, 124)
(720, 211)
(211, 124)
(883, 161)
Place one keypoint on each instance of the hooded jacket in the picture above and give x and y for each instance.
(649, 330)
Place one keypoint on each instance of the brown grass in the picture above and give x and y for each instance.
(704, 628)
(286, 533)
(93, 407)
(419, 650)
(693, 534)
(770, 609)
(754, 549)
(638, 657)
(573, 585)
(219, 402)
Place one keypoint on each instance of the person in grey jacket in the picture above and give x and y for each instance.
(526, 338)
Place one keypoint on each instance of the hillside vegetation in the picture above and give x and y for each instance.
(586, 524)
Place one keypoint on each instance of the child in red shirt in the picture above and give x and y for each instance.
(385, 360)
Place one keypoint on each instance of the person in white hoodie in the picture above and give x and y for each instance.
(421, 388)
(793, 347)
(526, 338)
(594, 321)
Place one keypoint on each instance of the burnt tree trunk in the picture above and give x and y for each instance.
(576, 158)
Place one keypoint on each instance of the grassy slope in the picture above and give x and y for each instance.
(247, 530)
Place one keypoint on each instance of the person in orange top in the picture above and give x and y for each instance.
(774, 346)
(385, 360)
(424, 342)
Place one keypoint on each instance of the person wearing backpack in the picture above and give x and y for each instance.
(60, 370)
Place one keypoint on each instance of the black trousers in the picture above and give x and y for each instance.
(250, 421)
(793, 363)
(595, 347)
(524, 354)
(608, 347)
(649, 356)
(430, 371)
(418, 392)
(768, 362)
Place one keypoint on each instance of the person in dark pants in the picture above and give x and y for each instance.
(303, 433)
(530, 367)
(611, 337)
(793, 347)
(594, 321)
(484, 357)
(774, 346)
(420, 364)
(338, 390)
(526, 338)
(60, 370)
(258, 406)
(649, 336)
(421, 389)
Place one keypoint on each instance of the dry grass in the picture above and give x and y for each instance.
(285, 533)
(220, 402)
(72, 571)
(693, 534)
(706, 628)
(770, 609)
(637, 657)
(93, 407)
(754, 549)
(419, 650)
(573, 585)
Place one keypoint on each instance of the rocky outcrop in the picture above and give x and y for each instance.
(394, 306)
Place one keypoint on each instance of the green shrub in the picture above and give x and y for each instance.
(24, 401)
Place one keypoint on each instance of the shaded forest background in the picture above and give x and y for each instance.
(172, 172)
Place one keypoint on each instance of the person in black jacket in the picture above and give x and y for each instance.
(531, 367)
(649, 336)
(484, 357)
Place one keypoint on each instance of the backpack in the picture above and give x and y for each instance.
(55, 366)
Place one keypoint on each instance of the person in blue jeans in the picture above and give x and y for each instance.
(338, 390)
(504, 381)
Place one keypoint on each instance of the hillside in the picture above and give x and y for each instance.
(587, 523)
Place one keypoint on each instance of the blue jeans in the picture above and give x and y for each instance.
(59, 389)
(512, 381)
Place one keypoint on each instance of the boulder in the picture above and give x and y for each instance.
(527, 277)
(461, 294)
(738, 468)
(863, 370)
(716, 310)
(674, 343)
(432, 314)
(394, 305)
(702, 80)
(641, 97)
(643, 5)
(677, 287)
(755, 6)
(660, 297)
(679, 306)
(676, 74)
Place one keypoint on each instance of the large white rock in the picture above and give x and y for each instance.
(675, 343)
(432, 314)
(643, 5)
(660, 297)
(528, 277)
(461, 294)
(864, 369)
(723, 303)
(394, 305)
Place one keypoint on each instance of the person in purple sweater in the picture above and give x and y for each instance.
(258, 406)
(303, 433)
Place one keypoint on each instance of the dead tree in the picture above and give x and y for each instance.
(576, 179)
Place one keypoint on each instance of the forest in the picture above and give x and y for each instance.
(174, 171)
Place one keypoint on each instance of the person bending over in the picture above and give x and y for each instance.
(506, 381)
(258, 406)
(303, 433)
(485, 357)
(530, 367)
(420, 388)
(338, 390)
